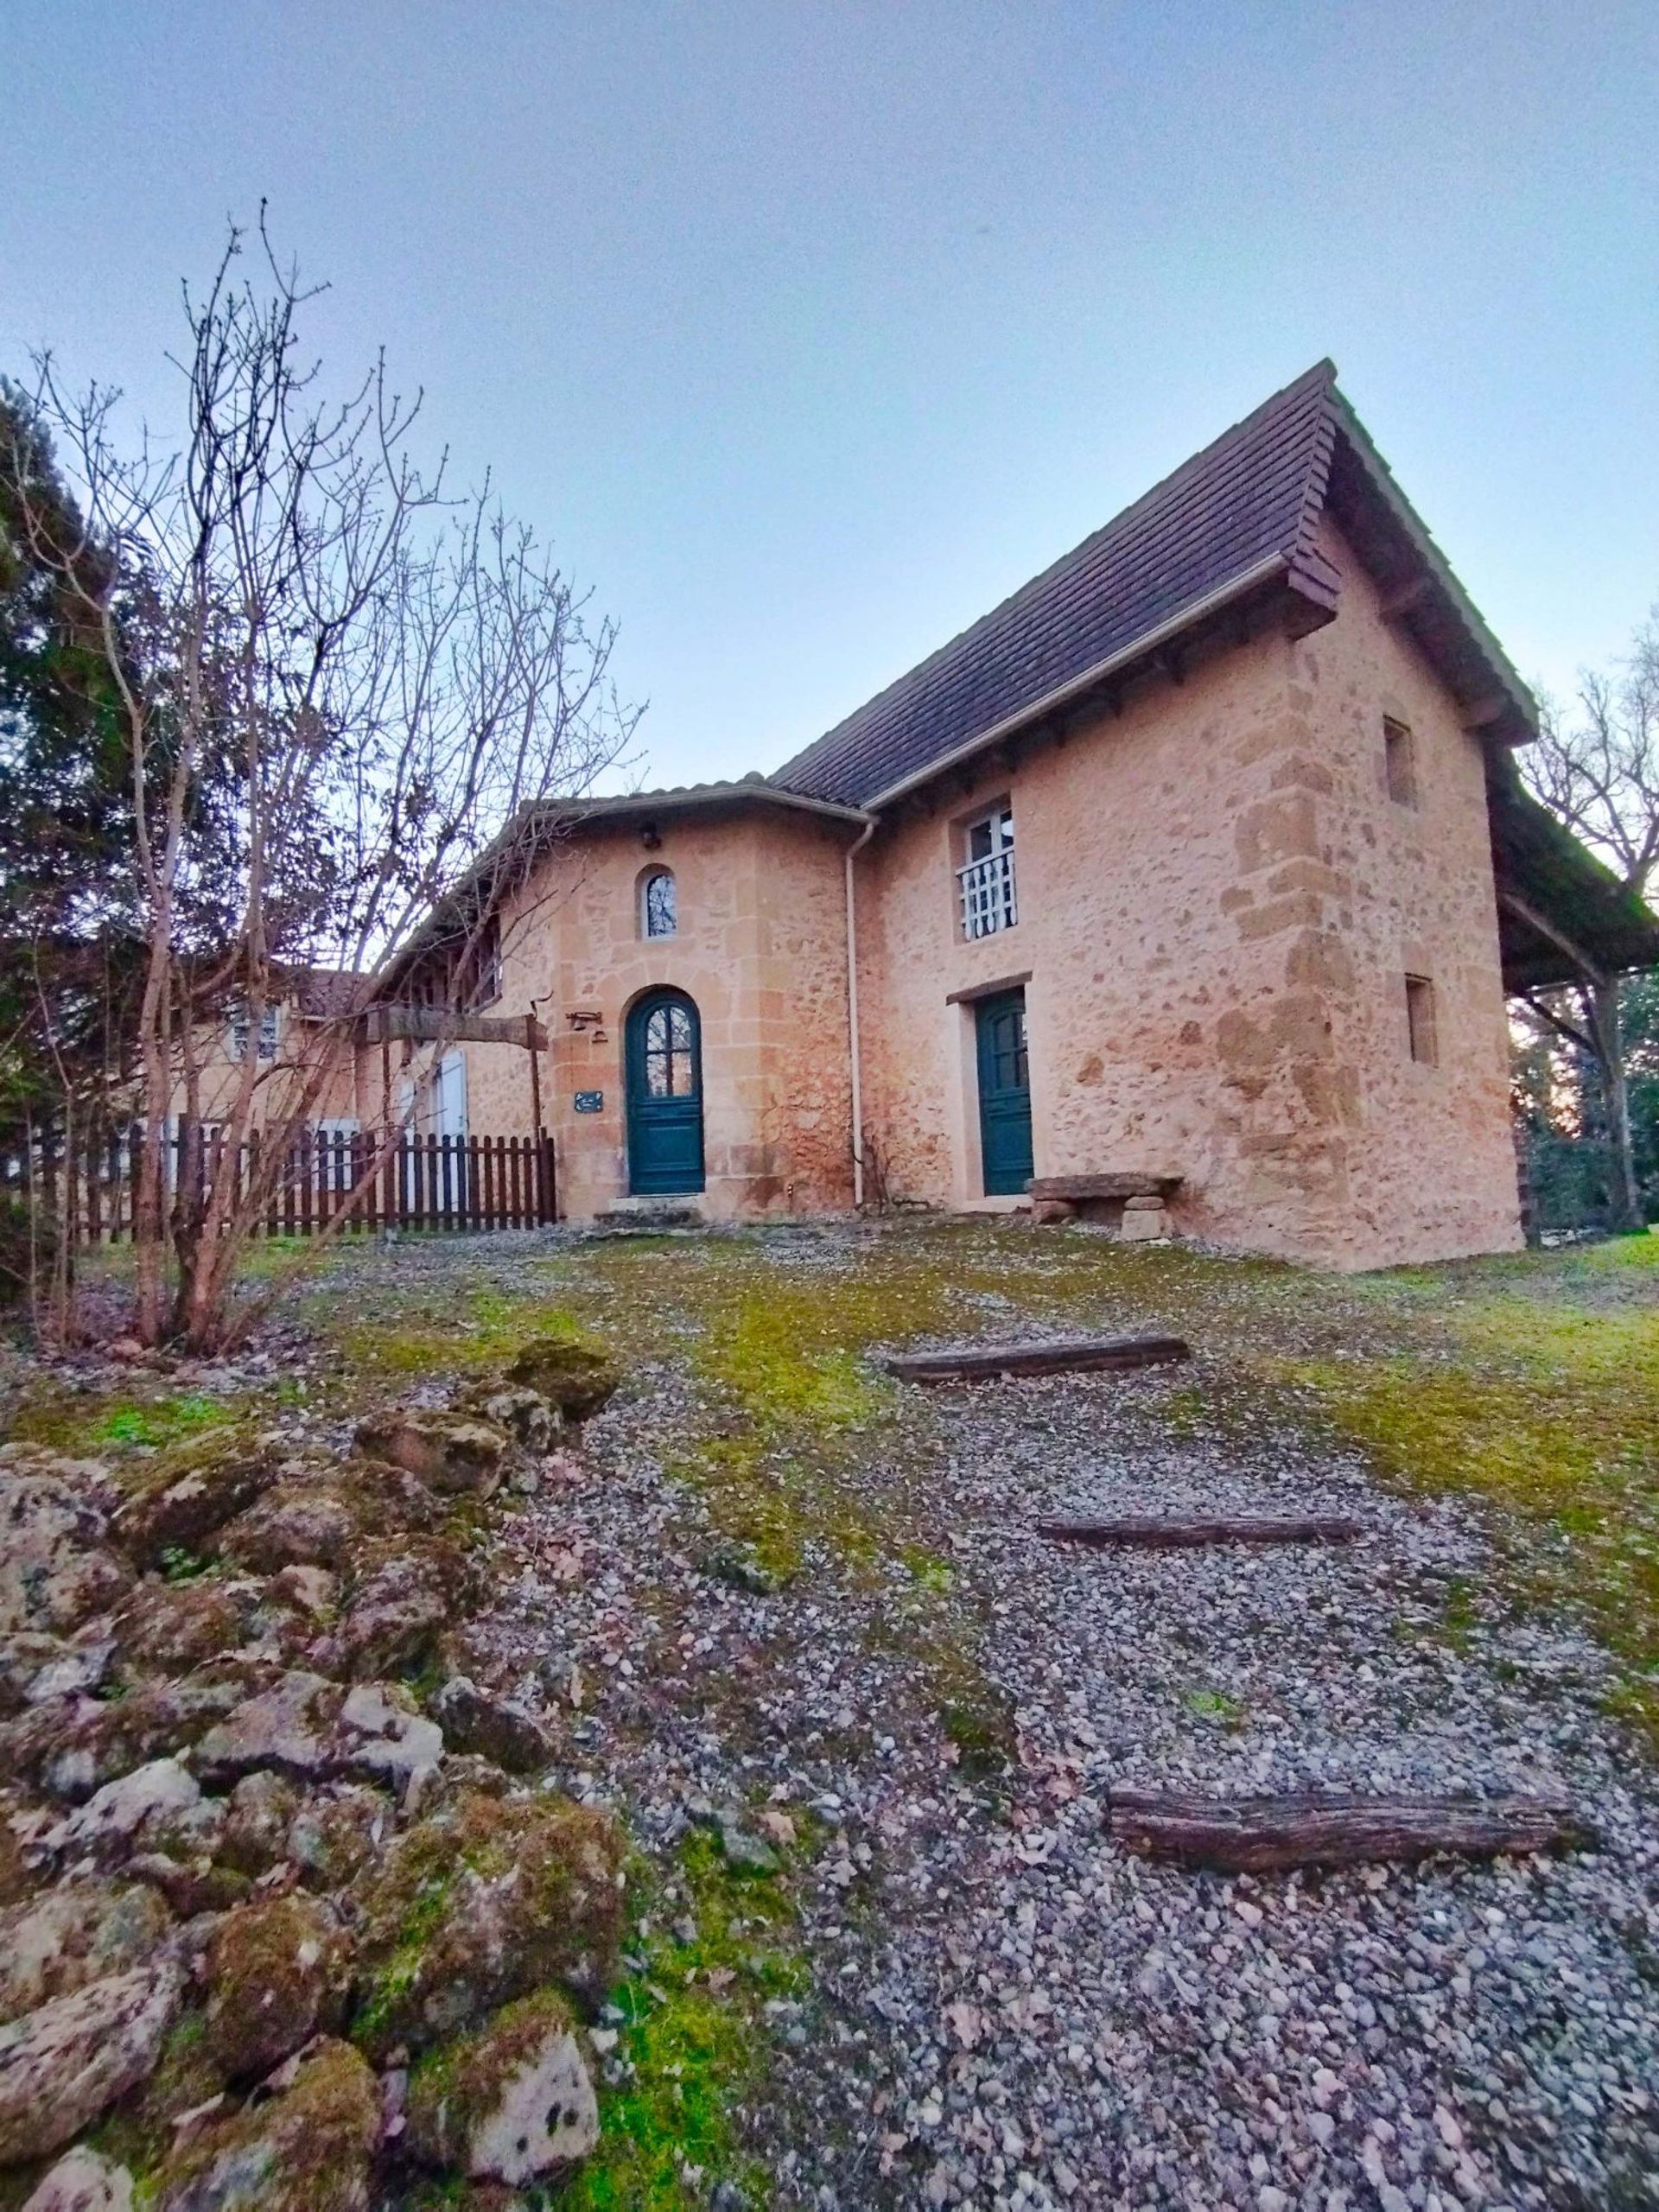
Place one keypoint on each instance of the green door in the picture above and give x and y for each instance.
(664, 1077)
(1004, 1093)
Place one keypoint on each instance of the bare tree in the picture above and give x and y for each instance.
(345, 693)
(1596, 766)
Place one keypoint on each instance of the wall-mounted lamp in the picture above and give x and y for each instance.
(650, 838)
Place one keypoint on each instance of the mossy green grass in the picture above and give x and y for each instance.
(709, 1949)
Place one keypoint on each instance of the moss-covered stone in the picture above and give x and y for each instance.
(36, 1667)
(256, 1820)
(72, 1755)
(576, 1377)
(513, 2103)
(457, 1454)
(167, 1627)
(405, 1591)
(17, 1876)
(70, 2059)
(140, 2131)
(302, 1724)
(477, 1722)
(294, 1525)
(316, 1516)
(191, 1886)
(178, 1512)
(486, 1901)
(54, 1571)
(275, 1972)
(524, 1413)
(335, 1834)
(72, 1935)
(81, 2181)
(309, 2149)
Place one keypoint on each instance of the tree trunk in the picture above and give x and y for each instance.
(149, 1195)
(1624, 1199)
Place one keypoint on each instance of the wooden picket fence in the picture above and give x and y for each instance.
(412, 1182)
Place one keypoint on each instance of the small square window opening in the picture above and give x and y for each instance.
(1420, 1021)
(1400, 762)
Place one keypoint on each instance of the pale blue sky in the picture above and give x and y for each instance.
(809, 331)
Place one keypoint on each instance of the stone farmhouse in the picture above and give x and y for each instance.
(1185, 889)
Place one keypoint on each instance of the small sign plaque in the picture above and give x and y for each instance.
(590, 1102)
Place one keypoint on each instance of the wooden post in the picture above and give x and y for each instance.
(535, 1074)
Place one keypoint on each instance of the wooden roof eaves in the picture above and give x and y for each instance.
(1163, 634)
(1518, 723)
(688, 798)
(1542, 866)
(1032, 599)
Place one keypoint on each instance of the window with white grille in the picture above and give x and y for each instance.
(270, 1031)
(985, 882)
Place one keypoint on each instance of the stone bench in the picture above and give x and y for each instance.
(1134, 1205)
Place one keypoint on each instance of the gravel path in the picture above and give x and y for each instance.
(1007, 2010)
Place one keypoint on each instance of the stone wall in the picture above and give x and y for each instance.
(1218, 906)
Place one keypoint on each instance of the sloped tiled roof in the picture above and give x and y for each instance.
(1246, 501)
(753, 789)
(324, 994)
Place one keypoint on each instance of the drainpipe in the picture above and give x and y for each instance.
(855, 847)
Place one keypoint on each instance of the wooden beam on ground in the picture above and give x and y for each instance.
(1264, 1836)
(1063, 1355)
(1183, 1532)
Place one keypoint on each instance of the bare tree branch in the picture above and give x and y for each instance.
(346, 694)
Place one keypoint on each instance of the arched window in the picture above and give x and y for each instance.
(659, 913)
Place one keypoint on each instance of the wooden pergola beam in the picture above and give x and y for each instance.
(435, 1025)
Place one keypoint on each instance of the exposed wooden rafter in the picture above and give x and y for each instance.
(1405, 597)
(1482, 713)
(1551, 933)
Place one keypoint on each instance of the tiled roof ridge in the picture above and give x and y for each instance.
(1321, 375)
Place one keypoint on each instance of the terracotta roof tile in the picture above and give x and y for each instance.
(1255, 493)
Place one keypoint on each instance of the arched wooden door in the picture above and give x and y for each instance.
(665, 1078)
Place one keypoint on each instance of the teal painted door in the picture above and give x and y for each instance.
(664, 1077)
(1004, 1093)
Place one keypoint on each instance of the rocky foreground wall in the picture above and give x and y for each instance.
(286, 1919)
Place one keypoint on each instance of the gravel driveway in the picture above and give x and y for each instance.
(1006, 2009)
